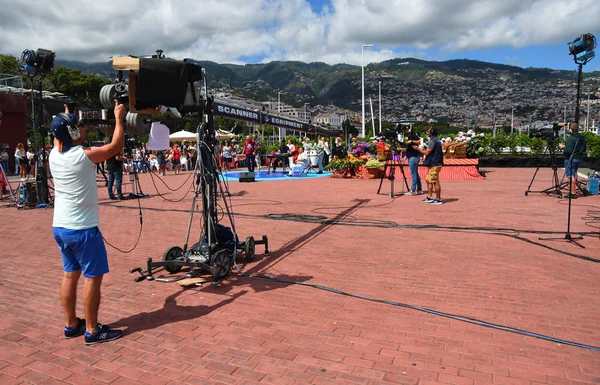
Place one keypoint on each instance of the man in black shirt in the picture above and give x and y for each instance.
(281, 157)
(114, 166)
(434, 159)
(414, 157)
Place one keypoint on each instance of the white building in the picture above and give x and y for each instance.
(331, 119)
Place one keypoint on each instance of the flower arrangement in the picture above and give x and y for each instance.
(361, 148)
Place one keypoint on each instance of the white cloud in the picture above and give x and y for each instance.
(224, 30)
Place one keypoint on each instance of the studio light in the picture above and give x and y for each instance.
(37, 62)
(582, 48)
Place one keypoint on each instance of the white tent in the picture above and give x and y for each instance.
(182, 135)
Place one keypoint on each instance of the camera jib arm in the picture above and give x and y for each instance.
(217, 246)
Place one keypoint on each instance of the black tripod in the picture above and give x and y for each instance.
(568, 237)
(391, 165)
(556, 188)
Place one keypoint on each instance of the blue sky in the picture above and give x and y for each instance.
(525, 33)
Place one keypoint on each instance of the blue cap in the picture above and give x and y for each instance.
(60, 130)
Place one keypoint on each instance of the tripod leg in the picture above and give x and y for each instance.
(404, 176)
(531, 183)
(385, 169)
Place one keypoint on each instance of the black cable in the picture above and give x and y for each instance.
(167, 186)
(167, 199)
(139, 235)
(470, 320)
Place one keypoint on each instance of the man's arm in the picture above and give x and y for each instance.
(100, 154)
(425, 152)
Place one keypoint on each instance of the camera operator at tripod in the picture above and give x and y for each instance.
(414, 157)
(76, 220)
(574, 148)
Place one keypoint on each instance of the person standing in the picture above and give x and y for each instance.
(176, 153)
(21, 161)
(257, 152)
(574, 149)
(76, 219)
(414, 157)
(114, 165)
(249, 151)
(292, 152)
(434, 159)
(327, 156)
(161, 159)
(31, 161)
(4, 161)
(320, 147)
(339, 151)
(307, 145)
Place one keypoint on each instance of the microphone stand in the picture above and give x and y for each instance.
(568, 237)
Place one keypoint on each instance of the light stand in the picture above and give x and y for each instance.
(568, 237)
(582, 50)
(42, 177)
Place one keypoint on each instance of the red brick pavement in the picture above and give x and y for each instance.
(246, 331)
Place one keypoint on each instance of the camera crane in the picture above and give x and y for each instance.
(217, 246)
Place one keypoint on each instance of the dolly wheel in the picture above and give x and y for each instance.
(221, 262)
(249, 249)
(174, 253)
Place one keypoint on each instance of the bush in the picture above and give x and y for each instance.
(593, 144)
(373, 163)
(499, 142)
(478, 146)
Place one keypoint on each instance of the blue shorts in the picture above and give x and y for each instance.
(82, 250)
(570, 173)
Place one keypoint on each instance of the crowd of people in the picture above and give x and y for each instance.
(25, 161)
(288, 153)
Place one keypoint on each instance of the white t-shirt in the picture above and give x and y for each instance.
(75, 190)
(302, 160)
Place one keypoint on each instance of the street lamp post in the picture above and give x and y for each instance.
(363, 87)
(380, 107)
(512, 120)
(587, 119)
(565, 124)
(279, 111)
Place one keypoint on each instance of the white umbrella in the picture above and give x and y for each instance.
(182, 135)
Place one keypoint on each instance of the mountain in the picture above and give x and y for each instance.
(455, 89)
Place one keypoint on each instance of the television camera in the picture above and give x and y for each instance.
(547, 131)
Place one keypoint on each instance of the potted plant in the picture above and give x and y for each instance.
(374, 167)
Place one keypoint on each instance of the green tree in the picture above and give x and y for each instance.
(349, 128)
(84, 88)
(9, 65)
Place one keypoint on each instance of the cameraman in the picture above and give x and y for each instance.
(414, 157)
(76, 220)
(574, 149)
(114, 166)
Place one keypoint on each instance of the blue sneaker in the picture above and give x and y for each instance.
(77, 331)
(103, 334)
(427, 200)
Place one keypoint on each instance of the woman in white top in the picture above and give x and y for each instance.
(31, 162)
(21, 158)
(227, 156)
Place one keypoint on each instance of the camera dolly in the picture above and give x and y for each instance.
(200, 259)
